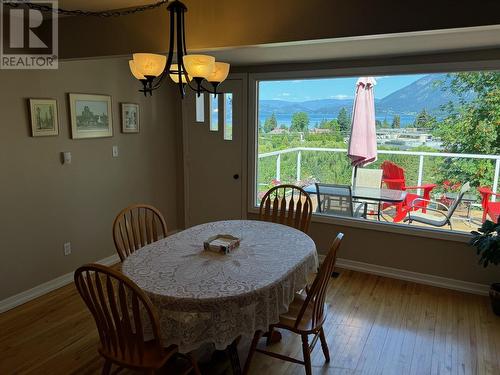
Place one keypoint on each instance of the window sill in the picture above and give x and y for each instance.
(404, 229)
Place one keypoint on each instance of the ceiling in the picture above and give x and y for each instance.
(398, 44)
(100, 5)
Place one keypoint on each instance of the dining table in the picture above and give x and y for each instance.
(208, 297)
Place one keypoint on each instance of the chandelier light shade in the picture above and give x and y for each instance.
(199, 66)
(149, 64)
(175, 77)
(194, 71)
(219, 74)
(135, 71)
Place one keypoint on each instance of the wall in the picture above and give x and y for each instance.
(230, 23)
(45, 203)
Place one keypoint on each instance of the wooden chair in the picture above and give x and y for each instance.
(305, 316)
(296, 213)
(135, 227)
(121, 310)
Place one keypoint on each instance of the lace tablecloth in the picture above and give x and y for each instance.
(204, 297)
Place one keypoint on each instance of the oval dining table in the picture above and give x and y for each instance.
(207, 297)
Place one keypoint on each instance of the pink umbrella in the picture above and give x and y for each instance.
(363, 141)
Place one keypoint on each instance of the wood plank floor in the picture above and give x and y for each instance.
(376, 325)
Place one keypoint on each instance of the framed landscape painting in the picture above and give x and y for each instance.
(43, 117)
(91, 116)
(130, 118)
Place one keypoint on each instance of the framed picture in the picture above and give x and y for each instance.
(130, 118)
(91, 116)
(43, 117)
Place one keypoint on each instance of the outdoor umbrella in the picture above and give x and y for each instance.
(363, 140)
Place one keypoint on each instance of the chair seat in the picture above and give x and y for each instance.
(494, 210)
(430, 219)
(288, 319)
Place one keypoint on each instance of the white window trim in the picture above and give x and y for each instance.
(404, 229)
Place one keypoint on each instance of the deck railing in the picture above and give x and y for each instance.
(420, 154)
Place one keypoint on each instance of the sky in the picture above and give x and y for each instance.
(331, 88)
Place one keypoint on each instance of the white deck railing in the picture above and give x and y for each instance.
(420, 154)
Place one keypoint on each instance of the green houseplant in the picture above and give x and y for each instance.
(487, 242)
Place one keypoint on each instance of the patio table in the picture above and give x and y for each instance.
(366, 193)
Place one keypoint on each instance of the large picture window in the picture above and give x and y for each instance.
(436, 135)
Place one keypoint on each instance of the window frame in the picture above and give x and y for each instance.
(311, 73)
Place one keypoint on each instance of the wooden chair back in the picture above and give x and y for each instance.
(315, 300)
(296, 212)
(137, 226)
(121, 310)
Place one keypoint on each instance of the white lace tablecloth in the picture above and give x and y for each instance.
(204, 297)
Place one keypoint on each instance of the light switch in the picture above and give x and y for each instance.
(115, 151)
(67, 157)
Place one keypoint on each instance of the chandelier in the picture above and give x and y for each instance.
(200, 73)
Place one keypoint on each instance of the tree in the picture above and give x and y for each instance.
(300, 122)
(270, 124)
(396, 122)
(344, 120)
(425, 120)
(472, 126)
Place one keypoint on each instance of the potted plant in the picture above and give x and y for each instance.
(487, 242)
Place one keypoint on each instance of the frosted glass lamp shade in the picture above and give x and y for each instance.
(220, 72)
(134, 70)
(199, 66)
(149, 64)
(175, 76)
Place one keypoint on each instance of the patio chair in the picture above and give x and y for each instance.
(434, 220)
(337, 200)
(370, 178)
(491, 209)
(394, 178)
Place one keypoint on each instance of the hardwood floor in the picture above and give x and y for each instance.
(376, 326)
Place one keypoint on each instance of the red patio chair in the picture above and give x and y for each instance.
(394, 178)
(491, 209)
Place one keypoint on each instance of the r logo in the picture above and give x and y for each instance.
(29, 36)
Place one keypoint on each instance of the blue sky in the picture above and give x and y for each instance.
(332, 88)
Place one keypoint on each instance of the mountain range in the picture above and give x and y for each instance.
(427, 93)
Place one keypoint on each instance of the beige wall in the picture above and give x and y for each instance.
(230, 23)
(45, 204)
(441, 258)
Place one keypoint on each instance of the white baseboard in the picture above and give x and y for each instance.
(420, 278)
(40, 290)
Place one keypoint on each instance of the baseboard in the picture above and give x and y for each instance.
(40, 290)
(420, 278)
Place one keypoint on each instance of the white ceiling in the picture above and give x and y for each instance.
(421, 42)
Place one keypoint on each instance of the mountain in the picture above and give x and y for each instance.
(427, 92)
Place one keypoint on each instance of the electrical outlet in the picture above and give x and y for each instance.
(115, 151)
(67, 248)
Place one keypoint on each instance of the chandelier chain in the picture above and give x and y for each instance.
(78, 12)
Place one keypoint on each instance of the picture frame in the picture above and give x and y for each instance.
(130, 118)
(43, 117)
(91, 116)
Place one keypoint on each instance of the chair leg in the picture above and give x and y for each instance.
(106, 370)
(251, 351)
(307, 354)
(324, 345)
